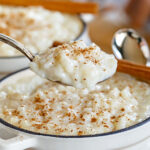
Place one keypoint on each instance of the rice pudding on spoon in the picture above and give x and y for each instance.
(72, 63)
(75, 64)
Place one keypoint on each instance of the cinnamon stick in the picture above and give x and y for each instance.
(139, 71)
(63, 6)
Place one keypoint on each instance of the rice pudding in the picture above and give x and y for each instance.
(75, 64)
(47, 107)
(37, 28)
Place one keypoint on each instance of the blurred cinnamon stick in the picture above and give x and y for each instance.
(138, 11)
(63, 6)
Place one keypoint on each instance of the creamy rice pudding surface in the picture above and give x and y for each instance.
(42, 106)
(36, 27)
(75, 64)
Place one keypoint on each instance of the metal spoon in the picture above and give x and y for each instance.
(17, 45)
(6, 39)
(128, 44)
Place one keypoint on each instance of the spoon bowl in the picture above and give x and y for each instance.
(128, 44)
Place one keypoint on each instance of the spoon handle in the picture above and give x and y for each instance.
(16, 45)
(139, 71)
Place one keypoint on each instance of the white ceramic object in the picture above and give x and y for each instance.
(11, 64)
(136, 137)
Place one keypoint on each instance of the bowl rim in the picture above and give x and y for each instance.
(80, 35)
(65, 136)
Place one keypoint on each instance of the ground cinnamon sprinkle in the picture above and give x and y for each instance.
(37, 99)
(81, 115)
(20, 116)
(64, 92)
(33, 119)
(38, 126)
(93, 120)
(106, 126)
(5, 112)
(42, 113)
(74, 117)
(113, 117)
(71, 107)
(80, 133)
(15, 112)
(46, 121)
(81, 123)
(50, 109)
(68, 114)
(45, 127)
(39, 107)
(86, 52)
(59, 130)
(122, 109)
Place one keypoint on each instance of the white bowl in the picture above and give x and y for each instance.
(136, 137)
(14, 63)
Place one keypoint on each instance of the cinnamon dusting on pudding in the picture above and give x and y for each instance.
(50, 108)
(76, 64)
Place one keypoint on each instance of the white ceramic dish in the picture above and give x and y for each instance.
(136, 137)
(11, 64)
